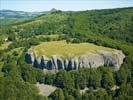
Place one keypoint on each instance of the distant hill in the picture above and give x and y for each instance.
(9, 16)
(19, 14)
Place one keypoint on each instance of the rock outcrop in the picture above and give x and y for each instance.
(89, 60)
(45, 90)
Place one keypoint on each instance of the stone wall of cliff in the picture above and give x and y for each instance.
(87, 60)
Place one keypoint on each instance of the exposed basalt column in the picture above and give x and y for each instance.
(42, 64)
(88, 60)
(76, 63)
(66, 62)
(69, 67)
(50, 65)
(28, 58)
(54, 61)
(59, 64)
(36, 63)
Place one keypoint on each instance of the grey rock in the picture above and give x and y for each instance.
(60, 63)
(91, 60)
(54, 60)
(76, 63)
(66, 62)
(88, 60)
(114, 59)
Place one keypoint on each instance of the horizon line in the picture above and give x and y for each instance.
(68, 10)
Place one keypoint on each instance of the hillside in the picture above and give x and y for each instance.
(114, 23)
(8, 17)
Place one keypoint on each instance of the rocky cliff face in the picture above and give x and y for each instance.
(88, 60)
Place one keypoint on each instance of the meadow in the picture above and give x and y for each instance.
(66, 49)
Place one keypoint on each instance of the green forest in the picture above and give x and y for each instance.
(111, 28)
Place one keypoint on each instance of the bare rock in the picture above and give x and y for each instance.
(112, 59)
(45, 90)
(91, 60)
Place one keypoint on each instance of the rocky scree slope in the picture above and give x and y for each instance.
(87, 59)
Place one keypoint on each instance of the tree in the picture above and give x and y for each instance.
(49, 79)
(88, 96)
(81, 82)
(77, 94)
(104, 81)
(28, 73)
(10, 66)
(64, 80)
(57, 95)
(40, 76)
(118, 79)
(12, 37)
(70, 97)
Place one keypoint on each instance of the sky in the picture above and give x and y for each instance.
(65, 5)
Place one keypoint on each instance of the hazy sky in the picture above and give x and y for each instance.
(45, 5)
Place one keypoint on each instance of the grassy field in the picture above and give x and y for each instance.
(66, 50)
(53, 36)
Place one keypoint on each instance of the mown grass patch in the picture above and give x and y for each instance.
(66, 49)
(53, 36)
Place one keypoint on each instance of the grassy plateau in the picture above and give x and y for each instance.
(66, 49)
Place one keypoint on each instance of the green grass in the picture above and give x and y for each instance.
(53, 36)
(66, 50)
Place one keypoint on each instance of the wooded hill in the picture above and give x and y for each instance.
(113, 23)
